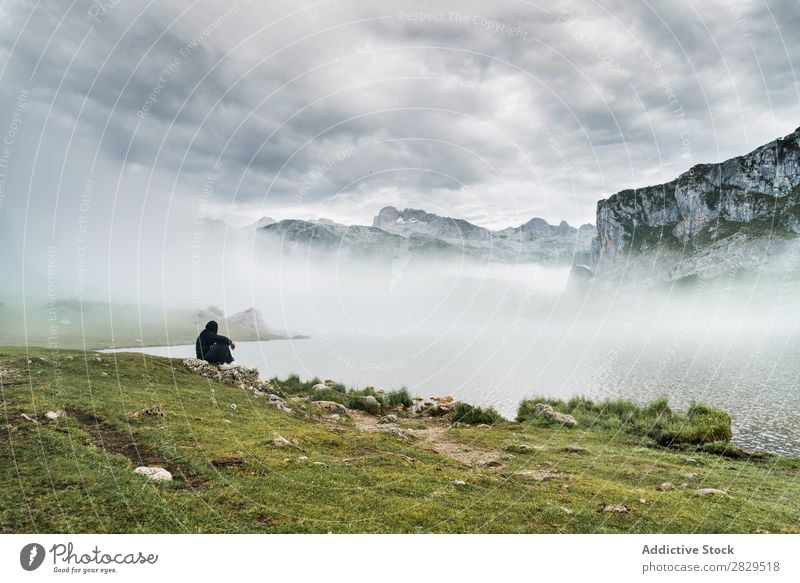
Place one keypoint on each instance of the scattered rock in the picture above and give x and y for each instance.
(27, 418)
(567, 510)
(537, 475)
(332, 407)
(518, 448)
(320, 387)
(458, 483)
(371, 401)
(104, 373)
(52, 415)
(483, 426)
(665, 487)
(319, 463)
(335, 416)
(390, 418)
(616, 508)
(690, 475)
(280, 441)
(98, 359)
(235, 375)
(153, 473)
(234, 407)
(396, 431)
(227, 462)
(574, 449)
(550, 414)
(302, 458)
(156, 410)
(711, 492)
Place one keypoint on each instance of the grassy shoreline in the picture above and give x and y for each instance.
(341, 472)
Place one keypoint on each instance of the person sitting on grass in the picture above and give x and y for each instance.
(212, 347)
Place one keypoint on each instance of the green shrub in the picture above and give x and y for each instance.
(361, 403)
(399, 398)
(471, 415)
(701, 423)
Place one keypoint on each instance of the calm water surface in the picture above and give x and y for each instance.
(756, 380)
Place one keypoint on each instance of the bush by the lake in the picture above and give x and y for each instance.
(701, 424)
(471, 415)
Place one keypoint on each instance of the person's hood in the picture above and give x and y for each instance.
(212, 326)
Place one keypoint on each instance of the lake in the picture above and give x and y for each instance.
(754, 377)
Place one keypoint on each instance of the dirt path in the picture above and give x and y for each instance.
(435, 436)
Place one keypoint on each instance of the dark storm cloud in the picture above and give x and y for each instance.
(533, 109)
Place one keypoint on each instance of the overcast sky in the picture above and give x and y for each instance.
(491, 111)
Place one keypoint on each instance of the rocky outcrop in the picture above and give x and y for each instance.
(547, 412)
(713, 218)
(244, 377)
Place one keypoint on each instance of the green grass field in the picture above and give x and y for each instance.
(75, 474)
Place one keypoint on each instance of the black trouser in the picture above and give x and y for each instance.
(219, 354)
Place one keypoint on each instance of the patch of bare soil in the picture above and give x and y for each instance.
(112, 440)
(434, 436)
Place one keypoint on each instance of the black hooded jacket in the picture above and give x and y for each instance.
(209, 338)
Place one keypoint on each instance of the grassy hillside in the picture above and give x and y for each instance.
(351, 474)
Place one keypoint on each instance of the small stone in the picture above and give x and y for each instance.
(319, 387)
(234, 407)
(391, 418)
(372, 401)
(518, 448)
(319, 463)
(642, 501)
(331, 406)
(335, 416)
(397, 432)
(567, 510)
(711, 492)
(104, 373)
(153, 473)
(27, 418)
(665, 487)
(690, 475)
(458, 483)
(302, 458)
(575, 449)
(616, 508)
(98, 359)
(280, 441)
(52, 415)
(537, 475)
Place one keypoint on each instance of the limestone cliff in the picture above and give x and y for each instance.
(738, 214)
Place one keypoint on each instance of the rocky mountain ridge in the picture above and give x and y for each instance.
(740, 214)
(416, 231)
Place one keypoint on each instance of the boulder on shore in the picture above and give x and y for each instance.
(554, 416)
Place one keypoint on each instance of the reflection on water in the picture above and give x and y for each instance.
(757, 382)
